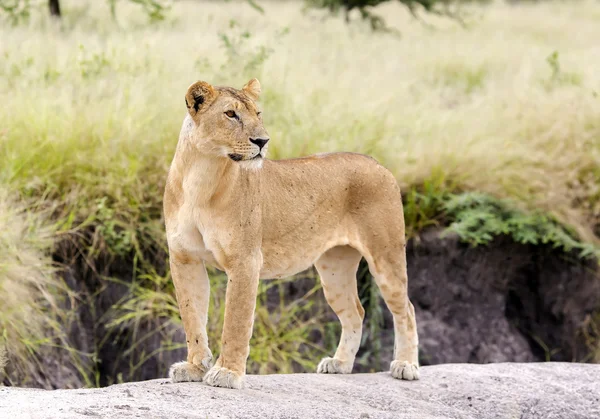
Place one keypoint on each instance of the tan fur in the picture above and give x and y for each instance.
(227, 206)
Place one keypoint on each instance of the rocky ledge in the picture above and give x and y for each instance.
(506, 390)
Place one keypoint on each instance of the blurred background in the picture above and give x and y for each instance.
(487, 113)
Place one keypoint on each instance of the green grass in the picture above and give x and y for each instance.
(507, 108)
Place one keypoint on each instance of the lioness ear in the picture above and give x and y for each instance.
(199, 96)
(252, 89)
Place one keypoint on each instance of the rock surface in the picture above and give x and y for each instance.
(529, 390)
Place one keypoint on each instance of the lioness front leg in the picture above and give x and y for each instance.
(192, 289)
(240, 303)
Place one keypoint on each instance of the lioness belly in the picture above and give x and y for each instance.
(283, 259)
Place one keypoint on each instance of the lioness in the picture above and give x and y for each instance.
(226, 205)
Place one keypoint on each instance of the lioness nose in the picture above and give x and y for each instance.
(260, 142)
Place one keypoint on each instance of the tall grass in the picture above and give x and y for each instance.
(34, 318)
(24, 276)
(508, 107)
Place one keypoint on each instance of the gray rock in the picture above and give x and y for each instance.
(529, 390)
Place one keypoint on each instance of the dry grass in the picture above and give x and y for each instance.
(92, 110)
(31, 319)
(3, 360)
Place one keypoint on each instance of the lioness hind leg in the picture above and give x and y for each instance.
(337, 268)
(391, 278)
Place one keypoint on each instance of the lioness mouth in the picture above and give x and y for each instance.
(239, 157)
(235, 157)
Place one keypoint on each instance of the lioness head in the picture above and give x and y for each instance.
(226, 122)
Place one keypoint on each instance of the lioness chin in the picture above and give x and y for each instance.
(227, 206)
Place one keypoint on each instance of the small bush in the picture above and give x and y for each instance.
(560, 77)
(478, 218)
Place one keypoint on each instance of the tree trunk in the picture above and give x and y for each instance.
(54, 6)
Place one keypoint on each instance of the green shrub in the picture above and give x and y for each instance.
(478, 219)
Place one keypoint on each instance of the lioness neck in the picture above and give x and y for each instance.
(213, 181)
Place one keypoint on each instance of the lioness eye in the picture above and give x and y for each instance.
(231, 114)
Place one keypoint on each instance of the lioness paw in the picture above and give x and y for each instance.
(334, 366)
(185, 371)
(223, 377)
(404, 370)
